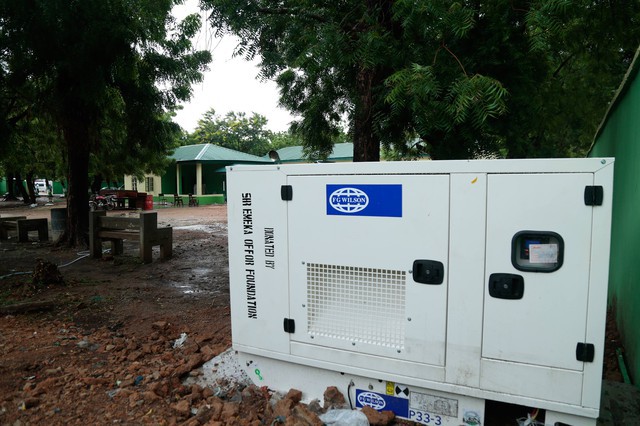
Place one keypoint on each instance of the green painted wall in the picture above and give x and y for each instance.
(213, 181)
(168, 180)
(211, 199)
(203, 200)
(187, 178)
(620, 138)
(58, 189)
(208, 181)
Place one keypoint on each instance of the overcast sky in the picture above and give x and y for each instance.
(230, 84)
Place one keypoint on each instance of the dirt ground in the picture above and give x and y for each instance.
(102, 351)
(99, 347)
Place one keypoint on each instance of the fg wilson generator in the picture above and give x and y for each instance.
(425, 288)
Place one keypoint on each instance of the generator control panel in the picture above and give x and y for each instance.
(537, 251)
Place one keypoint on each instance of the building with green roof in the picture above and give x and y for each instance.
(200, 170)
(195, 169)
(295, 154)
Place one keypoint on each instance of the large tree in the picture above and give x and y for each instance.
(582, 50)
(30, 152)
(247, 134)
(105, 72)
(235, 130)
(466, 78)
(340, 59)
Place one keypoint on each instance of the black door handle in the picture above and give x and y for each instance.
(506, 286)
(428, 272)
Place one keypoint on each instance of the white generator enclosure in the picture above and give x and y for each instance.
(427, 287)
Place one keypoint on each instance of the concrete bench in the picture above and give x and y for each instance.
(8, 223)
(115, 230)
(23, 226)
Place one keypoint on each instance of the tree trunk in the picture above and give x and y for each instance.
(366, 147)
(31, 190)
(77, 139)
(96, 184)
(21, 189)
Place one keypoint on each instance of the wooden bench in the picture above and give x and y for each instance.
(117, 229)
(23, 226)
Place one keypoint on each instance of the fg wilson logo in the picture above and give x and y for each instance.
(372, 400)
(349, 200)
(381, 200)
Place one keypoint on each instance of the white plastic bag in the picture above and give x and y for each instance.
(344, 418)
(180, 341)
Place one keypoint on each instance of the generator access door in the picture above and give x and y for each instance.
(537, 268)
(368, 258)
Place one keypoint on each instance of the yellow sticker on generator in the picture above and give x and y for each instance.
(391, 388)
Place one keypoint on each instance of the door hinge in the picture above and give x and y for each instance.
(585, 352)
(286, 192)
(289, 325)
(593, 195)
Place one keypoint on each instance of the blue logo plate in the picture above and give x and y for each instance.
(365, 200)
(382, 402)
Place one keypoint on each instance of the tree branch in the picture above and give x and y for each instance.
(515, 9)
(291, 11)
(562, 65)
(456, 58)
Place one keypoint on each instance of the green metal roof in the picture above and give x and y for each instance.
(210, 153)
(290, 153)
(627, 80)
(341, 152)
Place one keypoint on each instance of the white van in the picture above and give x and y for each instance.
(41, 186)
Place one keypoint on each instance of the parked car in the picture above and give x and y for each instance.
(41, 187)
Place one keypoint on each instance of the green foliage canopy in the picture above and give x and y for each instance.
(104, 73)
(518, 78)
(235, 131)
(283, 139)
(247, 134)
(361, 60)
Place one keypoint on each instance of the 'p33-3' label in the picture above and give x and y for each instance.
(424, 417)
